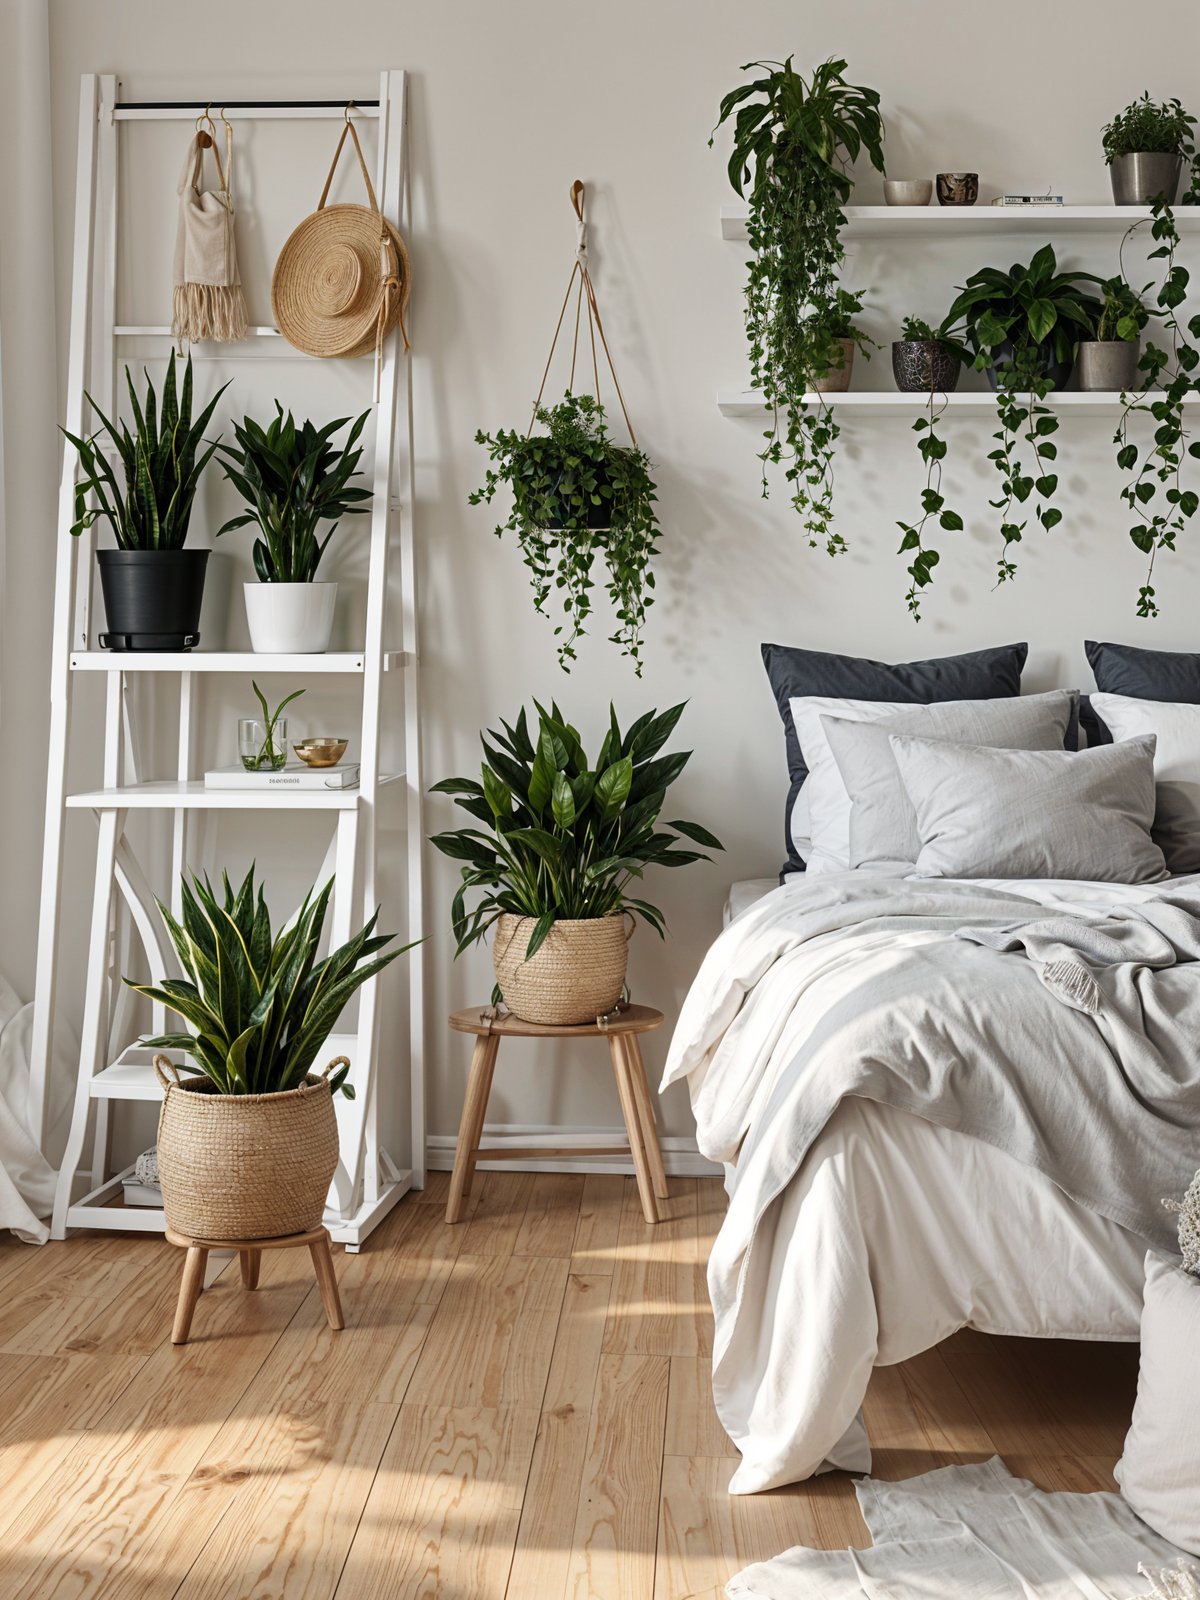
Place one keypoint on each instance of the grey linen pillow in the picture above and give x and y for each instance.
(883, 824)
(1033, 813)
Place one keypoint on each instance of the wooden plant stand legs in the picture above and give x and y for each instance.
(470, 1128)
(250, 1255)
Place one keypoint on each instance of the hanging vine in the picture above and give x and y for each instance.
(793, 147)
(933, 504)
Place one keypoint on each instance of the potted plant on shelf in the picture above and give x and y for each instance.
(835, 323)
(576, 494)
(1109, 359)
(292, 480)
(1145, 147)
(561, 843)
(248, 1142)
(153, 588)
(793, 147)
(923, 361)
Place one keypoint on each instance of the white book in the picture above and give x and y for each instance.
(289, 777)
(141, 1194)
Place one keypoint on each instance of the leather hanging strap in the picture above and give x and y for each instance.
(349, 129)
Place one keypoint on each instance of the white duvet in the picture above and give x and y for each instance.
(893, 1232)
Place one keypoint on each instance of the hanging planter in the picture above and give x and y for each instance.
(575, 493)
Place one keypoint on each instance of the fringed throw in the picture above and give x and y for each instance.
(208, 302)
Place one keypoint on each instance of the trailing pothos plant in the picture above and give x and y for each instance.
(563, 836)
(1022, 327)
(1155, 492)
(576, 494)
(932, 449)
(793, 145)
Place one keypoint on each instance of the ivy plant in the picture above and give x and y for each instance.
(576, 494)
(793, 145)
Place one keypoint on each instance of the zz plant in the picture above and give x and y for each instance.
(561, 835)
(576, 495)
(259, 1003)
(793, 145)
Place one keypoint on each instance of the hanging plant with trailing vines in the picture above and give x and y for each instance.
(793, 146)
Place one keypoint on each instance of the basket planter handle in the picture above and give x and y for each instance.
(164, 1065)
(338, 1061)
(632, 929)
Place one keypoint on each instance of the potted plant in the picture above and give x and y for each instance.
(923, 361)
(153, 588)
(559, 844)
(793, 146)
(248, 1144)
(576, 494)
(1109, 359)
(836, 324)
(292, 480)
(1145, 147)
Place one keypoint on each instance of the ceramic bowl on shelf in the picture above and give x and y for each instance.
(321, 752)
(908, 191)
(957, 188)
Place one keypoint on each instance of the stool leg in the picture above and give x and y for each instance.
(251, 1260)
(189, 1292)
(470, 1129)
(322, 1261)
(633, 1127)
(645, 1105)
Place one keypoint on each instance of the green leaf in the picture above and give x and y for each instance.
(562, 801)
(613, 787)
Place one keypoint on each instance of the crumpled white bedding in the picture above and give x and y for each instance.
(26, 1177)
(972, 1533)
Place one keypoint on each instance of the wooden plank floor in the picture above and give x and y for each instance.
(518, 1407)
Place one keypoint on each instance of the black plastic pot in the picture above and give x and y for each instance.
(152, 598)
(1058, 372)
(924, 366)
(597, 516)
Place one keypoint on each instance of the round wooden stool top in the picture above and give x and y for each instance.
(484, 1020)
(278, 1242)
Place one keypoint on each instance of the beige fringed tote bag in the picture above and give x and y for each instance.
(208, 302)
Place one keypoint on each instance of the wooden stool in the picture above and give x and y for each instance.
(637, 1108)
(249, 1251)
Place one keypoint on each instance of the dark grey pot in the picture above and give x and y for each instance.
(152, 598)
(1140, 178)
(1109, 364)
(922, 366)
(1058, 372)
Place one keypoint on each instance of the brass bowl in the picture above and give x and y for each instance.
(321, 752)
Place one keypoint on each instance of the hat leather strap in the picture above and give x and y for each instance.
(349, 129)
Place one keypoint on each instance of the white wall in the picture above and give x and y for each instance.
(510, 103)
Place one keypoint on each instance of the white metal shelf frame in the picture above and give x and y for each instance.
(368, 1182)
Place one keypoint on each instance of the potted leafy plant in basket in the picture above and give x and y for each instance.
(1109, 359)
(836, 323)
(247, 1143)
(560, 842)
(1145, 148)
(292, 478)
(153, 588)
(576, 495)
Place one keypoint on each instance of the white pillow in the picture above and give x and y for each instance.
(1176, 768)
(1159, 1472)
(827, 849)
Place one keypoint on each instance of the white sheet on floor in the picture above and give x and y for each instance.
(26, 1177)
(972, 1533)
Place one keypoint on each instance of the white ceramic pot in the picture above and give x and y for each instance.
(290, 618)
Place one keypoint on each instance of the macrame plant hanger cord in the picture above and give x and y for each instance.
(580, 281)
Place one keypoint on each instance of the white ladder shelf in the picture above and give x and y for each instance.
(111, 1069)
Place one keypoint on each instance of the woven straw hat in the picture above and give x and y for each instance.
(342, 281)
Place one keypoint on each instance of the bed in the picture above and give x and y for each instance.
(863, 1224)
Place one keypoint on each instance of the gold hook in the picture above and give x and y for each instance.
(203, 134)
(226, 121)
(348, 110)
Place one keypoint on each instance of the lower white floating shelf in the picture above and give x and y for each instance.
(749, 402)
(194, 795)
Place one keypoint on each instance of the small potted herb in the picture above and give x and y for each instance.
(292, 478)
(923, 361)
(153, 588)
(839, 337)
(558, 845)
(576, 495)
(1146, 146)
(1109, 359)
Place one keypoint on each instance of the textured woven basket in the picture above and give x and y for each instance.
(576, 976)
(245, 1166)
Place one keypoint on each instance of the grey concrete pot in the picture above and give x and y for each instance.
(1107, 363)
(1137, 179)
(837, 379)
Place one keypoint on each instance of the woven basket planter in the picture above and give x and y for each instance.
(245, 1166)
(576, 976)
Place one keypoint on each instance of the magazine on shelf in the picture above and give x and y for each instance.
(289, 777)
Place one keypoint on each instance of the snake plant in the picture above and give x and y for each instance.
(261, 1005)
(161, 461)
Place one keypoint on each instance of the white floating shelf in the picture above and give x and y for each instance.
(172, 795)
(226, 661)
(749, 402)
(891, 222)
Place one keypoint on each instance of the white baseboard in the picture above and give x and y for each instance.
(680, 1155)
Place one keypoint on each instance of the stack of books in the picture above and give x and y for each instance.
(289, 777)
(1028, 200)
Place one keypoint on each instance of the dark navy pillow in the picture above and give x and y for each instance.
(1168, 675)
(978, 675)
